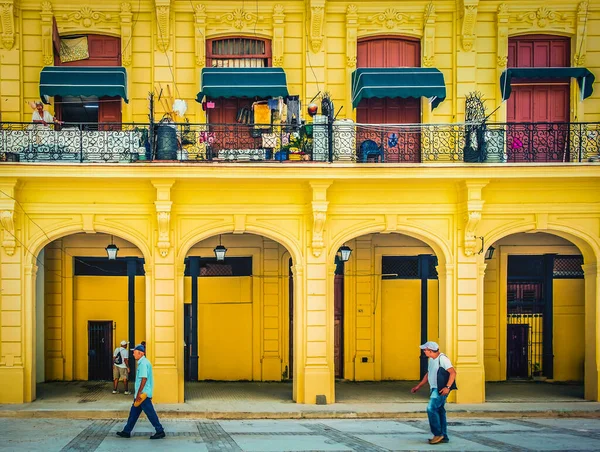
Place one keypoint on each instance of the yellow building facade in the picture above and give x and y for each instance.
(418, 231)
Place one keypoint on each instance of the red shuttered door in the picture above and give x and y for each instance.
(545, 102)
(390, 52)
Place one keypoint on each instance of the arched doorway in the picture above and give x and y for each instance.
(390, 305)
(85, 305)
(237, 319)
(534, 319)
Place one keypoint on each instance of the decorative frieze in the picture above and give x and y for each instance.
(86, 17)
(503, 18)
(163, 21)
(580, 38)
(46, 18)
(200, 33)
(278, 35)
(7, 17)
(468, 14)
(317, 21)
(351, 35)
(126, 19)
(543, 17)
(429, 36)
(239, 18)
(391, 18)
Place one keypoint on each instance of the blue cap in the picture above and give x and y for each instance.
(140, 348)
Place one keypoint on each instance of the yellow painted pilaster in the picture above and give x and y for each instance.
(592, 331)
(299, 383)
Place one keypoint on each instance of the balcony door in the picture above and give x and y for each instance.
(538, 110)
(386, 52)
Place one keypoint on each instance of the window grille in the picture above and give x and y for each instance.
(239, 52)
(568, 267)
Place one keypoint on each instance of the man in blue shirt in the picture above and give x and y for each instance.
(144, 385)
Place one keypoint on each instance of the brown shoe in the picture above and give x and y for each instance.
(436, 440)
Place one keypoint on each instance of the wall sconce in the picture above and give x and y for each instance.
(220, 251)
(345, 252)
(490, 251)
(112, 250)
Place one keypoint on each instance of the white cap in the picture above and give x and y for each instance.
(430, 345)
(123, 342)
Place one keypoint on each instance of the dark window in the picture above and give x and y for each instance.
(232, 266)
(527, 267)
(238, 52)
(568, 267)
(101, 266)
(406, 267)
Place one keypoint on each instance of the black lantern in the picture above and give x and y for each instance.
(345, 252)
(489, 253)
(220, 251)
(112, 250)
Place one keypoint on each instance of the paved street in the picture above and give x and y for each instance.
(302, 435)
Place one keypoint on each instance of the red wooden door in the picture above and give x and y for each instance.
(538, 110)
(223, 120)
(399, 144)
(109, 110)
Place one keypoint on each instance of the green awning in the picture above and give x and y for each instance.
(398, 82)
(584, 77)
(242, 82)
(83, 81)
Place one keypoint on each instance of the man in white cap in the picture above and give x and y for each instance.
(120, 367)
(441, 377)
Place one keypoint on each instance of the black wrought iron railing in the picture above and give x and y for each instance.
(342, 141)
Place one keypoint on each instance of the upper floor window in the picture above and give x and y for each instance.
(238, 52)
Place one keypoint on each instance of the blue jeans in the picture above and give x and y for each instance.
(148, 409)
(437, 413)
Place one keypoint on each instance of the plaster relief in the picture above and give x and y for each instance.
(542, 17)
(239, 18)
(317, 20)
(391, 18)
(7, 17)
(86, 17)
(46, 17)
(126, 18)
(199, 34)
(8, 234)
(469, 22)
(163, 20)
(278, 35)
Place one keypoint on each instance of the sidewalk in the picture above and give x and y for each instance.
(220, 400)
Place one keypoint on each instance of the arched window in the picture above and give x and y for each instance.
(238, 52)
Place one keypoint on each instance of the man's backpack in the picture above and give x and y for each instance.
(442, 378)
(119, 358)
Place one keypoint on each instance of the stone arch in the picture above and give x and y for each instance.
(439, 246)
(292, 247)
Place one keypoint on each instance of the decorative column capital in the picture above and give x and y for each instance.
(7, 16)
(126, 19)
(200, 33)
(278, 35)
(473, 207)
(163, 22)
(316, 14)
(468, 12)
(163, 206)
(319, 209)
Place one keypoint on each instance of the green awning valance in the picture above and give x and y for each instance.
(398, 82)
(83, 81)
(584, 77)
(242, 82)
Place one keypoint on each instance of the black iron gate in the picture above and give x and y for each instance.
(100, 350)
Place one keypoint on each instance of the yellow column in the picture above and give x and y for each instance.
(298, 393)
(592, 331)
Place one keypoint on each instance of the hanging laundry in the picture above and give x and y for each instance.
(273, 104)
(293, 110)
(262, 115)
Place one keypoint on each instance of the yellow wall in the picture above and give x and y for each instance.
(568, 329)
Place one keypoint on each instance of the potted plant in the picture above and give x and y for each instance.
(537, 372)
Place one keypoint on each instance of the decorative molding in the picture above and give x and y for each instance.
(7, 17)
(472, 217)
(200, 34)
(319, 209)
(46, 15)
(391, 18)
(469, 22)
(317, 21)
(163, 205)
(163, 22)
(239, 224)
(428, 59)
(391, 223)
(239, 18)
(87, 17)
(351, 35)
(87, 219)
(278, 35)
(126, 19)
(543, 17)
(9, 242)
(503, 18)
(581, 34)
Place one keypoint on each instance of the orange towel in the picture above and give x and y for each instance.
(262, 116)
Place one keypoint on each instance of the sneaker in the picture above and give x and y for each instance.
(115, 391)
(446, 440)
(127, 393)
(124, 434)
(436, 440)
(158, 435)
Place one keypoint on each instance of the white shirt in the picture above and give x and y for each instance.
(433, 366)
(124, 355)
(48, 118)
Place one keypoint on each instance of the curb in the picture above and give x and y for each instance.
(240, 415)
